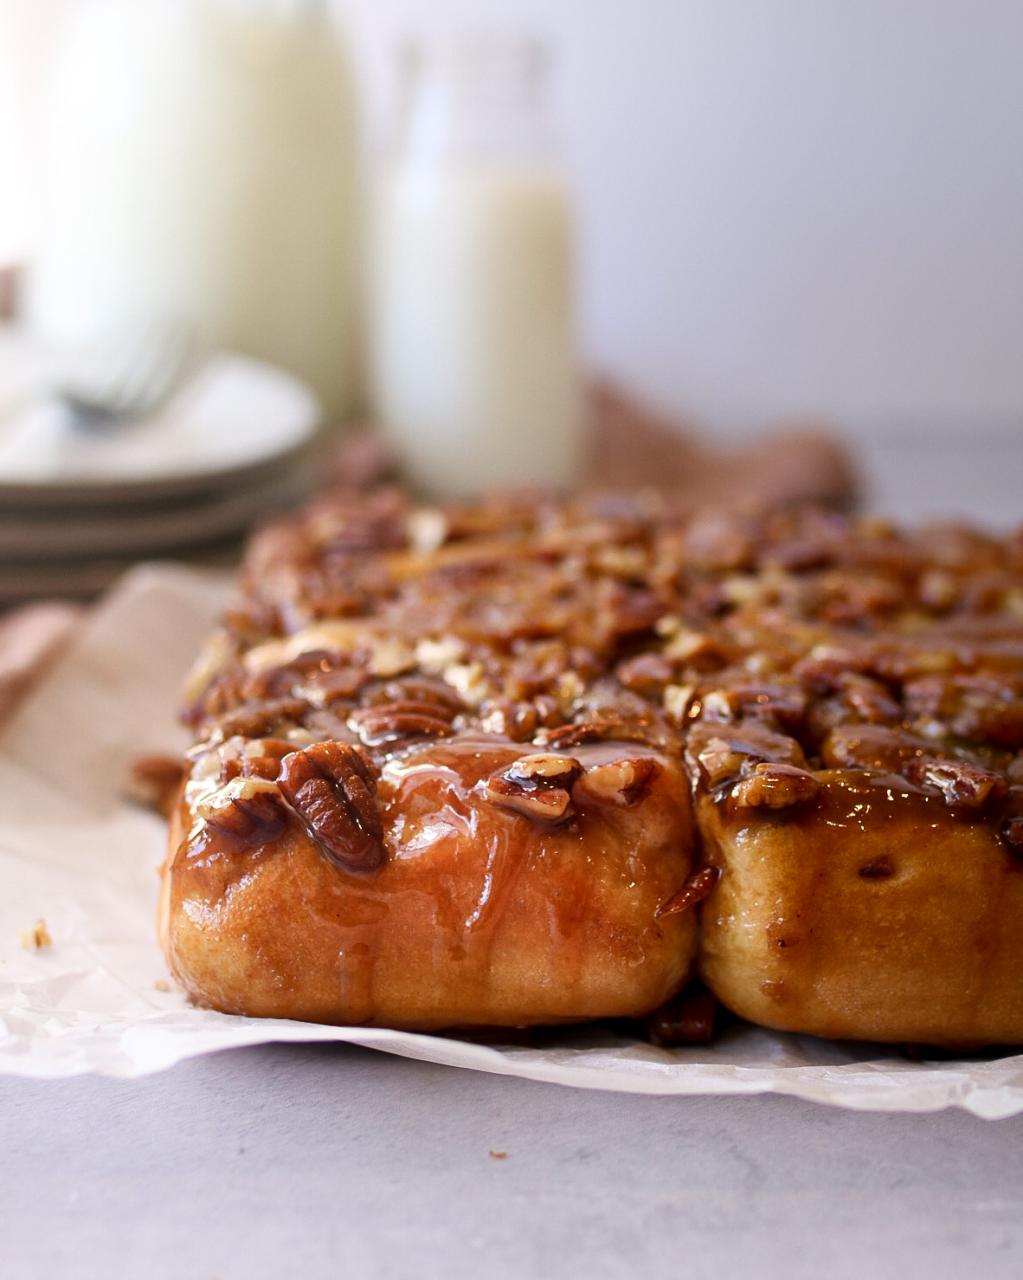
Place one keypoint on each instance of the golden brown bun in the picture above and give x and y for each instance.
(483, 765)
(479, 916)
(872, 917)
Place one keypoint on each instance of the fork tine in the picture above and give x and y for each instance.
(155, 363)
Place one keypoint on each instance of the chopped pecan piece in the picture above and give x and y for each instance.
(520, 721)
(537, 786)
(245, 812)
(723, 752)
(545, 769)
(618, 782)
(632, 610)
(775, 786)
(696, 888)
(677, 700)
(872, 746)
(646, 673)
(780, 701)
(715, 541)
(962, 785)
(332, 788)
(981, 708)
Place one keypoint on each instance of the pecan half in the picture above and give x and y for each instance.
(332, 788)
(696, 888)
(618, 782)
(393, 721)
(605, 727)
(154, 782)
(961, 785)
(775, 786)
(687, 1019)
(537, 786)
(258, 719)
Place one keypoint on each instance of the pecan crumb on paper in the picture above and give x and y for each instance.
(37, 937)
(499, 1155)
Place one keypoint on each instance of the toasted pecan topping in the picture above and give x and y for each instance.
(260, 718)
(723, 752)
(962, 785)
(605, 728)
(797, 639)
(155, 781)
(394, 721)
(537, 786)
(332, 788)
(697, 887)
(246, 812)
(775, 786)
(868, 746)
(686, 1019)
(618, 782)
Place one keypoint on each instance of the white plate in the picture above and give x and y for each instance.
(235, 418)
(158, 526)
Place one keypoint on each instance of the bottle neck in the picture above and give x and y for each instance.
(474, 100)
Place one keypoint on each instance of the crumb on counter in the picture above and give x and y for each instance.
(161, 984)
(499, 1155)
(37, 937)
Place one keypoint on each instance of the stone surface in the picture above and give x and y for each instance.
(326, 1161)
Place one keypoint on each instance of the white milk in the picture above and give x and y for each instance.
(474, 355)
(201, 165)
(472, 339)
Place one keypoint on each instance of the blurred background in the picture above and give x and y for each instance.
(737, 216)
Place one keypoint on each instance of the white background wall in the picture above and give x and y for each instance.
(786, 206)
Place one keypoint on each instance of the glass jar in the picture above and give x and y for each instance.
(200, 166)
(473, 355)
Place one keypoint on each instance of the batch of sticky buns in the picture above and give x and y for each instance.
(531, 761)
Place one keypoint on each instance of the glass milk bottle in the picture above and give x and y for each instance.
(199, 166)
(472, 345)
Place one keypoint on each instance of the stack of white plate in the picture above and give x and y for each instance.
(78, 505)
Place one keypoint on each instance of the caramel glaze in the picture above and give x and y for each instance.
(530, 721)
(476, 917)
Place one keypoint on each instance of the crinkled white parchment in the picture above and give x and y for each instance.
(73, 852)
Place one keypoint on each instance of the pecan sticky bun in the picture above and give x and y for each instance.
(535, 760)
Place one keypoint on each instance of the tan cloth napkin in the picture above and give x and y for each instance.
(30, 638)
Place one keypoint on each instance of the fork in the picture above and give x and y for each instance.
(131, 379)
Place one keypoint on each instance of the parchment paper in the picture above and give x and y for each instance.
(73, 852)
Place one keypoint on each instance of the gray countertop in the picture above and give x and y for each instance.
(328, 1160)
